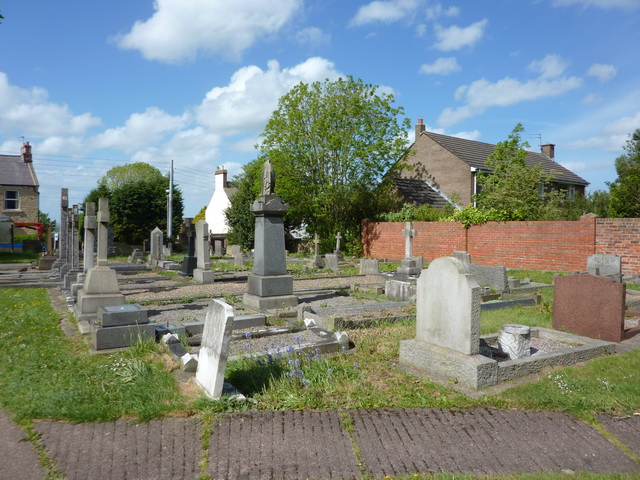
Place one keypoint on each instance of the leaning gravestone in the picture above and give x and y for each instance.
(590, 306)
(203, 273)
(101, 285)
(605, 265)
(269, 286)
(214, 350)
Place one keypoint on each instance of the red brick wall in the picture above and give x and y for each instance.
(620, 236)
(562, 246)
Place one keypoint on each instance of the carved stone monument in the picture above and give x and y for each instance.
(269, 286)
(409, 265)
(203, 273)
(101, 285)
(62, 250)
(190, 262)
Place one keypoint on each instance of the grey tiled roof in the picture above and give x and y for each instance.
(475, 154)
(419, 192)
(13, 171)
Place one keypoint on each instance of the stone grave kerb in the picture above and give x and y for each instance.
(448, 306)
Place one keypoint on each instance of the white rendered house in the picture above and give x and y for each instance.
(220, 201)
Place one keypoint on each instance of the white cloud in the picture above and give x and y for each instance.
(387, 11)
(313, 36)
(140, 130)
(29, 113)
(455, 38)
(612, 136)
(575, 167)
(606, 4)
(483, 94)
(591, 99)
(549, 67)
(180, 30)
(247, 102)
(602, 72)
(436, 10)
(442, 66)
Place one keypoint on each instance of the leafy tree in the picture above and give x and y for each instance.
(139, 207)
(330, 144)
(239, 217)
(200, 215)
(137, 201)
(598, 203)
(625, 190)
(121, 175)
(514, 188)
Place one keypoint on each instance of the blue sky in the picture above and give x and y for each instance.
(96, 84)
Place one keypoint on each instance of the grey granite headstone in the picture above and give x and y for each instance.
(214, 350)
(605, 265)
(369, 266)
(203, 272)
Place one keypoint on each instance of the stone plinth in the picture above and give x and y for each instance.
(203, 276)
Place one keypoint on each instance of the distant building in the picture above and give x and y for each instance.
(220, 201)
(444, 167)
(19, 187)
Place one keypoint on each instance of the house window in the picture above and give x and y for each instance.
(11, 200)
(571, 192)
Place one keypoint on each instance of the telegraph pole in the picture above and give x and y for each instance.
(170, 202)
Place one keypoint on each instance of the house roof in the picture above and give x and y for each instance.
(420, 192)
(476, 153)
(14, 171)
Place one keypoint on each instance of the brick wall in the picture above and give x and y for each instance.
(620, 236)
(562, 246)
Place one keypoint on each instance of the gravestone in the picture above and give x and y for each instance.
(136, 256)
(269, 285)
(190, 262)
(217, 248)
(156, 247)
(62, 250)
(486, 275)
(203, 273)
(89, 247)
(238, 260)
(101, 285)
(369, 266)
(337, 250)
(409, 265)
(447, 342)
(74, 257)
(317, 258)
(214, 350)
(332, 262)
(121, 326)
(235, 249)
(589, 305)
(605, 265)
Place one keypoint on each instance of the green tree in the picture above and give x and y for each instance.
(139, 207)
(625, 190)
(137, 201)
(330, 144)
(121, 175)
(240, 220)
(513, 189)
(598, 203)
(200, 215)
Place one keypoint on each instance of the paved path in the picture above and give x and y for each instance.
(327, 444)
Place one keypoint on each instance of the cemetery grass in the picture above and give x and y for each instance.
(19, 257)
(47, 375)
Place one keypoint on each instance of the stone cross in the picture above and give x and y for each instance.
(64, 207)
(316, 245)
(202, 245)
(75, 246)
(90, 225)
(338, 238)
(408, 232)
(102, 221)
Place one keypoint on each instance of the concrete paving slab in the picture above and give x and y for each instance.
(18, 457)
(626, 430)
(161, 449)
(284, 445)
(485, 442)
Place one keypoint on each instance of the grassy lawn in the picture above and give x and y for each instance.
(19, 257)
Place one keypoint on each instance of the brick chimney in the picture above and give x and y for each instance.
(26, 153)
(548, 150)
(419, 128)
(222, 180)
